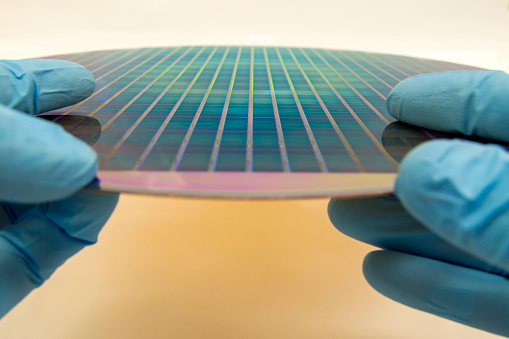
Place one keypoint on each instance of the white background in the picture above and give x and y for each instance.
(176, 268)
(451, 29)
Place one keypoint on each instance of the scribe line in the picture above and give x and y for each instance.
(372, 64)
(119, 66)
(362, 79)
(74, 57)
(426, 66)
(249, 144)
(113, 61)
(126, 106)
(149, 108)
(366, 101)
(364, 68)
(86, 57)
(434, 65)
(359, 121)
(280, 135)
(380, 58)
(113, 118)
(219, 134)
(185, 142)
(314, 144)
(149, 147)
(105, 56)
(120, 91)
(340, 134)
(72, 108)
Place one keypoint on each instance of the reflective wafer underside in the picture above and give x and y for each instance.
(245, 122)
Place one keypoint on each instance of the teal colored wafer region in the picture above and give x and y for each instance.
(231, 108)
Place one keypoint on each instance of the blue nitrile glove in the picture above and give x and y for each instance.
(44, 218)
(445, 233)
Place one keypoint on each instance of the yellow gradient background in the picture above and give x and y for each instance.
(185, 268)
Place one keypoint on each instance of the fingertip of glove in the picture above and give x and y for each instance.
(472, 102)
(429, 162)
(405, 95)
(400, 276)
(441, 180)
(84, 214)
(72, 170)
(78, 168)
(74, 80)
(41, 85)
(417, 165)
(82, 78)
(45, 163)
(348, 216)
(376, 267)
(332, 209)
(395, 98)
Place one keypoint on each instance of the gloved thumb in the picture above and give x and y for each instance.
(460, 191)
(39, 161)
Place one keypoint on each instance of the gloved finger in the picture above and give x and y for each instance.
(383, 222)
(39, 160)
(44, 237)
(459, 190)
(36, 86)
(468, 296)
(468, 102)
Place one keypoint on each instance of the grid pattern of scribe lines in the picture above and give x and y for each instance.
(243, 108)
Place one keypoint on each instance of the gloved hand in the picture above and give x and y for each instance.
(445, 232)
(44, 217)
